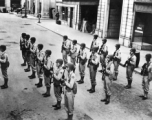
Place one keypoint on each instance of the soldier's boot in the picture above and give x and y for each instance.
(55, 104)
(40, 83)
(145, 95)
(24, 64)
(70, 117)
(58, 106)
(33, 75)
(108, 100)
(79, 80)
(82, 80)
(90, 89)
(105, 99)
(93, 89)
(129, 84)
(27, 69)
(48, 92)
(5, 84)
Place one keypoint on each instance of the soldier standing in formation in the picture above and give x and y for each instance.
(82, 55)
(69, 94)
(33, 48)
(39, 64)
(116, 60)
(73, 52)
(94, 43)
(147, 76)
(4, 65)
(48, 71)
(65, 49)
(22, 47)
(107, 81)
(103, 52)
(58, 74)
(131, 63)
(27, 46)
(93, 64)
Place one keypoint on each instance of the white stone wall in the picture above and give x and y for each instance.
(45, 8)
(127, 21)
(8, 4)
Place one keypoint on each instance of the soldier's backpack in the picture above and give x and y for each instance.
(75, 88)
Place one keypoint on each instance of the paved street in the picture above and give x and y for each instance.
(23, 101)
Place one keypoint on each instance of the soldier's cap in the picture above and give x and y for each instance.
(117, 45)
(65, 37)
(48, 52)
(3, 47)
(33, 39)
(95, 36)
(27, 36)
(133, 50)
(74, 41)
(104, 39)
(148, 56)
(23, 34)
(60, 61)
(110, 57)
(83, 45)
(40, 46)
(70, 66)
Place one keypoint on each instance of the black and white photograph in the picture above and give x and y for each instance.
(75, 59)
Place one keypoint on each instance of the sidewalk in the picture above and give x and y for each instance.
(87, 38)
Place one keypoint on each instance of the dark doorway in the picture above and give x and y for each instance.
(15, 4)
(2, 3)
(33, 8)
(71, 17)
(143, 28)
(114, 18)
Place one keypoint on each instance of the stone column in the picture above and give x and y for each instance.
(106, 18)
(127, 20)
(45, 8)
(37, 7)
(78, 21)
(8, 4)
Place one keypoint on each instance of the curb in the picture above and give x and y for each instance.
(136, 70)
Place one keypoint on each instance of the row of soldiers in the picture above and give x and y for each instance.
(63, 78)
(109, 65)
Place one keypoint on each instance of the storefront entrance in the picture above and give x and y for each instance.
(114, 18)
(142, 35)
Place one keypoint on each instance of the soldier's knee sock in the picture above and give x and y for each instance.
(48, 90)
(6, 81)
(130, 82)
(28, 67)
(82, 78)
(41, 80)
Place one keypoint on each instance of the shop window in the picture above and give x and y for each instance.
(65, 13)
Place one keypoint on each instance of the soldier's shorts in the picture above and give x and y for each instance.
(4, 73)
(145, 83)
(82, 69)
(69, 102)
(73, 60)
(47, 81)
(129, 72)
(92, 75)
(107, 85)
(39, 71)
(65, 57)
(57, 92)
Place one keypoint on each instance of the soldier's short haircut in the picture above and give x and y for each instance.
(27, 37)
(148, 56)
(74, 41)
(3, 47)
(118, 46)
(110, 57)
(48, 52)
(83, 45)
(95, 36)
(23, 34)
(33, 39)
(65, 37)
(40, 46)
(133, 50)
(60, 61)
(71, 66)
(104, 39)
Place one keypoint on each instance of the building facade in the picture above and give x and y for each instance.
(126, 20)
(75, 13)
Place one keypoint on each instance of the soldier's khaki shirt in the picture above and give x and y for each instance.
(58, 73)
(95, 58)
(83, 54)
